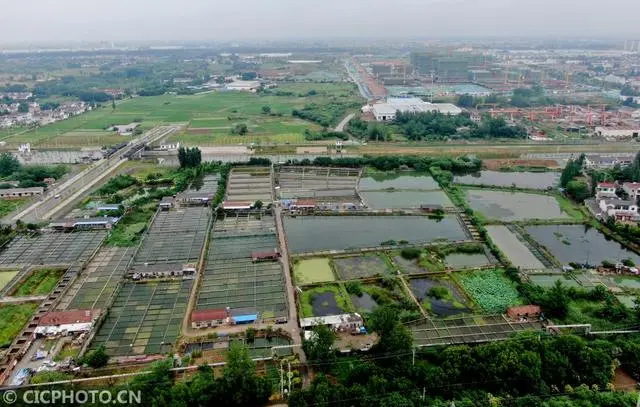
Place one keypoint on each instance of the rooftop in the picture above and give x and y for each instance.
(330, 320)
(208, 315)
(68, 317)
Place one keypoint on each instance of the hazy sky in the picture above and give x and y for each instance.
(90, 20)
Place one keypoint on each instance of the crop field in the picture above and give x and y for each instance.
(321, 233)
(9, 205)
(549, 280)
(208, 110)
(39, 282)
(261, 130)
(316, 182)
(515, 250)
(352, 268)
(514, 206)
(6, 277)
(579, 244)
(175, 237)
(231, 279)
(99, 280)
(145, 318)
(51, 249)
(249, 185)
(309, 271)
(13, 318)
(468, 329)
(493, 292)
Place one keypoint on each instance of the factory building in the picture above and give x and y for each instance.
(385, 112)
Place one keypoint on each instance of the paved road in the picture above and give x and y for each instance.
(18, 300)
(64, 194)
(343, 123)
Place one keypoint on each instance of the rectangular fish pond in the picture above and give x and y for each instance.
(580, 244)
(404, 199)
(413, 181)
(528, 180)
(514, 206)
(320, 233)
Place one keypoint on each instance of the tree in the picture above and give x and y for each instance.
(578, 190)
(250, 335)
(96, 358)
(189, 157)
(240, 129)
(394, 337)
(635, 169)
(258, 204)
(240, 385)
(556, 301)
(571, 170)
(266, 109)
(249, 76)
(636, 308)
(23, 108)
(319, 347)
(8, 164)
(465, 100)
(113, 104)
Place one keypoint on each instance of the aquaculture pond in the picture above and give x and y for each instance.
(439, 297)
(318, 233)
(514, 206)
(580, 244)
(513, 248)
(364, 302)
(530, 180)
(325, 304)
(404, 199)
(416, 181)
(466, 260)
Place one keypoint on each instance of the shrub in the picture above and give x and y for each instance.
(608, 264)
(353, 287)
(438, 293)
(410, 253)
(628, 263)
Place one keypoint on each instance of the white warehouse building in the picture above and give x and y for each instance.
(618, 132)
(385, 112)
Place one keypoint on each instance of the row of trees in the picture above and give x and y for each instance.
(523, 371)
(189, 157)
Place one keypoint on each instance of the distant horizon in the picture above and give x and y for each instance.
(54, 21)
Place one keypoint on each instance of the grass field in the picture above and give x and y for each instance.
(208, 110)
(311, 271)
(40, 282)
(8, 206)
(12, 318)
(5, 277)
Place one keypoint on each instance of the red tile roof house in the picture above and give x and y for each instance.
(209, 318)
(271, 255)
(66, 322)
(525, 311)
(606, 190)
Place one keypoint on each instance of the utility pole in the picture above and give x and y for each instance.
(289, 377)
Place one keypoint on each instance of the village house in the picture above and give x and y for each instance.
(209, 318)
(194, 198)
(66, 322)
(271, 255)
(620, 210)
(17, 193)
(166, 203)
(339, 323)
(153, 271)
(606, 190)
(237, 205)
(608, 161)
(632, 189)
(524, 312)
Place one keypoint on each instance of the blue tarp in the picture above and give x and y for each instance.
(242, 319)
